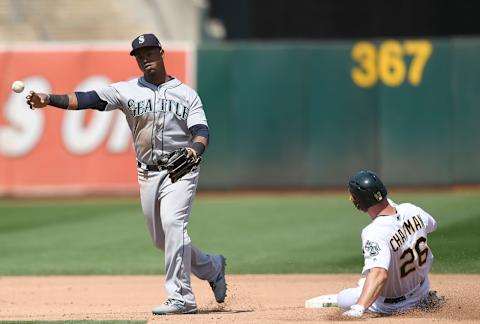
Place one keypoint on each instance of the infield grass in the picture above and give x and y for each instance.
(262, 233)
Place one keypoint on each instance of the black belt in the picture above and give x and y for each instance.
(148, 167)
(395, 300)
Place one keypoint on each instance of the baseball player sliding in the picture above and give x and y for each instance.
(396, 252)
(170, 133)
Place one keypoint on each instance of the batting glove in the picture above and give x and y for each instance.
(355, 311)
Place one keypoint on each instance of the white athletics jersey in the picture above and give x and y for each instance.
(158, 116)
(398, 243)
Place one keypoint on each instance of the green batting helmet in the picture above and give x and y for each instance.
(366, 189)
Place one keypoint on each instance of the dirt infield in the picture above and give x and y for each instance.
(251, 299)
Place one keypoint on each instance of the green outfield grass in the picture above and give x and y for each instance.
(258, 234)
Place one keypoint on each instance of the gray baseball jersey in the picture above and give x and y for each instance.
(159, 117)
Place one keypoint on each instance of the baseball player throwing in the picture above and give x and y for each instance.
(167, 122)
(396, 252)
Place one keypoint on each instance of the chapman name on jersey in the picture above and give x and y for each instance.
(410, 226)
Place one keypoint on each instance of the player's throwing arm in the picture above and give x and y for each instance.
(170, 134)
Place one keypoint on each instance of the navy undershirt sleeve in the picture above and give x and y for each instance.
(199, 130)
(90, 99)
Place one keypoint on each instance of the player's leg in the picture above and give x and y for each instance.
(149, 188)
(175, 203)
(348, 297)
(343, 299)
(211, 268)
(205, 266)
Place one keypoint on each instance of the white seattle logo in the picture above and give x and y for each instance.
(141, 39)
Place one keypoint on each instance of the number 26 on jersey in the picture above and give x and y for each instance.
(412, 257)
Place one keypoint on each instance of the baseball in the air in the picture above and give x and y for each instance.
(18, 86)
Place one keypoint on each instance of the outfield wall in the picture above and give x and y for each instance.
(281, 114)
(310, 114)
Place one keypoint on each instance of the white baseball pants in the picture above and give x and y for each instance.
(349, 297)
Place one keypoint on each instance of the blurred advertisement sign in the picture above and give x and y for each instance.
(51, 151)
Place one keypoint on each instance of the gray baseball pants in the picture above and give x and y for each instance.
(166, 207)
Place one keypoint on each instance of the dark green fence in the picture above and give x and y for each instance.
(310, 114)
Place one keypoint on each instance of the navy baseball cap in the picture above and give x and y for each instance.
(145, 40)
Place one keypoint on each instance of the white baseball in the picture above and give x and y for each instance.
(18, 86)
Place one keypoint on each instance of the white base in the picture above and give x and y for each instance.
(322, 301)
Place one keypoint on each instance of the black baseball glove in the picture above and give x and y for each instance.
(180, 162)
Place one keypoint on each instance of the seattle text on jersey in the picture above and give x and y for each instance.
(138, 108)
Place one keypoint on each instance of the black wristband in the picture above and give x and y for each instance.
(59, 101)
(199, 147)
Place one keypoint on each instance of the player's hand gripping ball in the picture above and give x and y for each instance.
(18, 86)
(180, 162)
